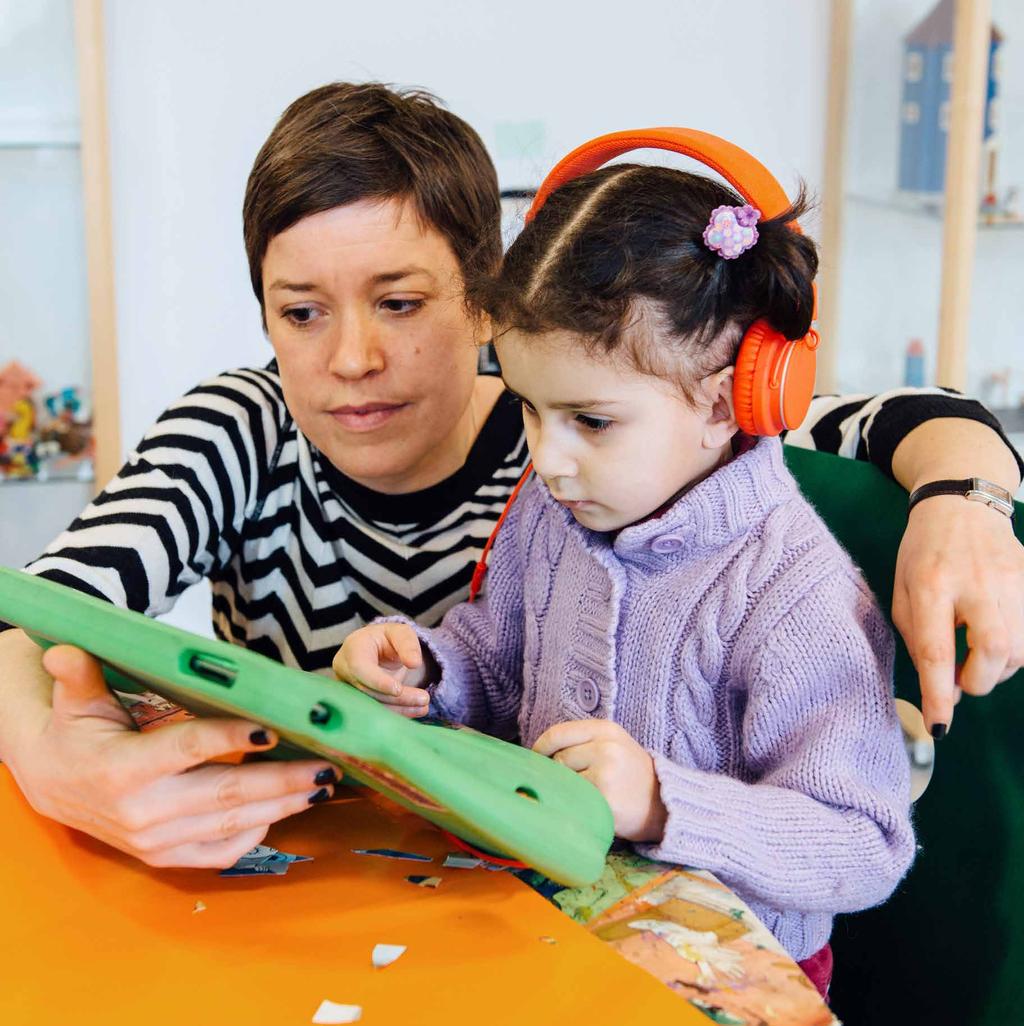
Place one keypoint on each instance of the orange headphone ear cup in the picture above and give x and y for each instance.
(774, 380)
(750, 378)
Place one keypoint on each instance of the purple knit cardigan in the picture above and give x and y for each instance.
(735, 640)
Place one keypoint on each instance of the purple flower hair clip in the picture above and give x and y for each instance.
(731, 230)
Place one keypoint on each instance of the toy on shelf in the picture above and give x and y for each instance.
(913, 365)
(17, 382)
(17, 452)
(31, 447)
(924, 112)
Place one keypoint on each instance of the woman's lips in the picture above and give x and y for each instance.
(367, 417)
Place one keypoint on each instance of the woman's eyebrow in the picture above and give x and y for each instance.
(384, 278)
(404, 272)
(291, 286)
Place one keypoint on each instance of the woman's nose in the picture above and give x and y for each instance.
(355, 350)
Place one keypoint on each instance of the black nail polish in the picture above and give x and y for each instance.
(320, 796)
(259, 737)
(939, 731)
(325, 776)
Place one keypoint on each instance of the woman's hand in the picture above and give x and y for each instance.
(617, 766)
(385, 660)
(959, 563)
(78, 760)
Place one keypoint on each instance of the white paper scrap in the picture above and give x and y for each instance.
(385, 954)
(455, 860)
(330, 1012)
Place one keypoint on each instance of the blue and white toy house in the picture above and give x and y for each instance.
(924, 112)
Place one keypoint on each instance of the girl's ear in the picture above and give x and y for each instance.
(718, 407)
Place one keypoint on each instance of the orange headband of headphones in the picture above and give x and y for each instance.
(774, 378)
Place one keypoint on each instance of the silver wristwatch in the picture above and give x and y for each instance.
(977, 489)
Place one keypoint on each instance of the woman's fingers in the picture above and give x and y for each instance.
(927, 627)
(215, 827)
(181, 746)
(988, 642)
(79, 688)
(218, 854)
(221, 789)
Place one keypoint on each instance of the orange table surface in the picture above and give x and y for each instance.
(91, 936)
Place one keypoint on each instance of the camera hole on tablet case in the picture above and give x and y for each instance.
(215, 669)
(325, 715)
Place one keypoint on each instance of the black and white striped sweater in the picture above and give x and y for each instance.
(225, 486)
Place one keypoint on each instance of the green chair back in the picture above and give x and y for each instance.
(948, 947)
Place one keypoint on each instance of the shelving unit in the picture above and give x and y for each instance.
(897, 266)
(56, 293)
(927, 206)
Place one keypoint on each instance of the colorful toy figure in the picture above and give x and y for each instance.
(16, 382)
(68, 428)
(65, 403)
(20, 440)
(30, 449)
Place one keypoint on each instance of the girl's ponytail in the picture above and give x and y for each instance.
(775, 275)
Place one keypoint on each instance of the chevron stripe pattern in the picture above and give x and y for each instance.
(225, 486)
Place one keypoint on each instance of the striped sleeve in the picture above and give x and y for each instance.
(871, 427)
(176, 509)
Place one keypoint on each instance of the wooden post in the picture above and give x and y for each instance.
(832, 198)
(971, 40)
(99, 246)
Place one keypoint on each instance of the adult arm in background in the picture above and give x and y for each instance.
(172, 513)
(959, 562)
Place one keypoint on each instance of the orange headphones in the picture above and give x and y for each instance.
(774, 379)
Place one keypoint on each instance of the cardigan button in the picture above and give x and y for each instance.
(667, 543)
(588, 694)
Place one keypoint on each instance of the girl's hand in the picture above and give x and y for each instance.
(617, 766)
(385, 660)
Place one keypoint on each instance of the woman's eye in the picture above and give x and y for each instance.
(528, 410)
(300, 316)
(401, 306)
(593, 423)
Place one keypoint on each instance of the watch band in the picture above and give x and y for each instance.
(977, 489)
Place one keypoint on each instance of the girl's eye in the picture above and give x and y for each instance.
(593, 423)
(301, 316)
(527, 408)
(402, 306)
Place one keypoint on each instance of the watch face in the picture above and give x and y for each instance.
(991, 494)
(979, 484)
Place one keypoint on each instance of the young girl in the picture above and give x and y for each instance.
(665, 613)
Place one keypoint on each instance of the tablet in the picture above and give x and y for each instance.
(495, 795)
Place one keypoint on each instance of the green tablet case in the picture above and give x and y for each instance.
(498, 796)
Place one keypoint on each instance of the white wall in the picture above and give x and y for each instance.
(194, 88)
